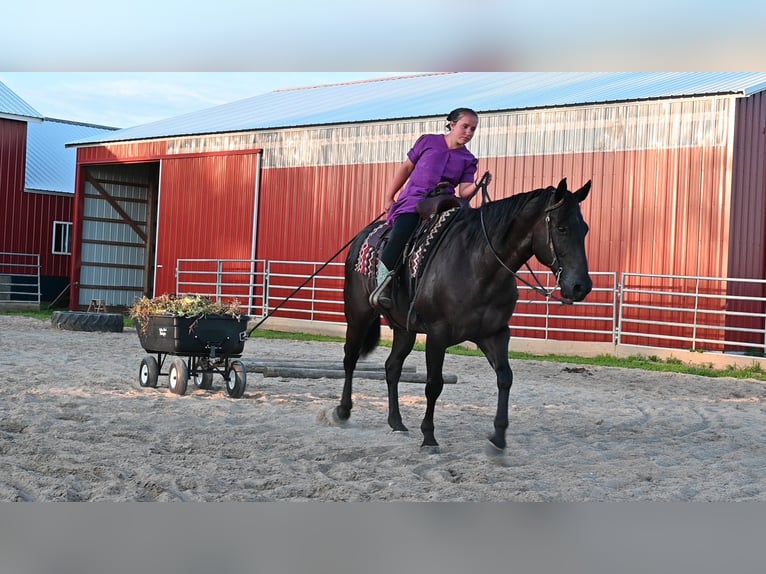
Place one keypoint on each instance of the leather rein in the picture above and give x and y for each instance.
(548, 294)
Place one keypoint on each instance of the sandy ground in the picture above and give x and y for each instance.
(75, 425)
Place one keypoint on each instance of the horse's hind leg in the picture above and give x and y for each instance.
(496, 350)
(400, 348)
(362, 336)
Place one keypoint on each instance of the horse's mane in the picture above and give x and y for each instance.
(502, 211)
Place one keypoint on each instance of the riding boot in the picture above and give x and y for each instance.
(381, 295)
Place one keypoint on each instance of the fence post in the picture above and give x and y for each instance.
(266, 287)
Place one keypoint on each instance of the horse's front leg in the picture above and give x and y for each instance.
(400, 348)
(434, 386)
(496, 350)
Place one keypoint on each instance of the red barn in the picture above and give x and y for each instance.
(36, 198)
(676, 160)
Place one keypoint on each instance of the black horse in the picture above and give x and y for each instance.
(467, 292)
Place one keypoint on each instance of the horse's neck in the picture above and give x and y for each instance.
(509, 227)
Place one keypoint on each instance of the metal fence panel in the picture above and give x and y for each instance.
(20, 278)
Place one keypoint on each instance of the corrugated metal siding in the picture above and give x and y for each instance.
(206, 211)
(130, 152)
(748, 236)
(659, 174)
(27, 218)
(50, 165)
(747, 255)
(13, 136)
(659, 171)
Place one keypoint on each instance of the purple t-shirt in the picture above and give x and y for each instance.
(434, 163)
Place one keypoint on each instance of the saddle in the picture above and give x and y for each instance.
(439, 199)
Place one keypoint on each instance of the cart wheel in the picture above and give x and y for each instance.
(236, 380)
(148, 372)
(203, 380)
(178, 377)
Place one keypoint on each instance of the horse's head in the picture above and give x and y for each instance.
(559, 241)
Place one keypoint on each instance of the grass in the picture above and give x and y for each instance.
(648, 363)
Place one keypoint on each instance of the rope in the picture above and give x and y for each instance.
(302, 285)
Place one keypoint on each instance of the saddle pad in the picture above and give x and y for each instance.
(429, 238)
(367, 262)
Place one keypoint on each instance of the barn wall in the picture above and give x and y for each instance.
(748, 212)
(206, 211)
(205, 206)
(748, 236)
(661, 173)
(659, 169)
(26, 224)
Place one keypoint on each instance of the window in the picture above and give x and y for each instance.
(62, 242)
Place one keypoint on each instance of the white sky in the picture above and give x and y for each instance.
(125, 99)
(228, 50)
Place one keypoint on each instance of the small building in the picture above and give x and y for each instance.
(676, 159)
(37, 176)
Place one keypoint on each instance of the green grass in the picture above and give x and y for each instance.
(648, 363)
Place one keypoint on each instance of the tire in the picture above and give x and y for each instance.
(236, 380)
(149, 372)
(84, 321)
(203, 380)
(178, 376)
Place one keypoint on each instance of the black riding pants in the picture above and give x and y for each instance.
(403, 228)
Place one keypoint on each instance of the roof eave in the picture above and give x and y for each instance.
(95, 143)
(20, 118)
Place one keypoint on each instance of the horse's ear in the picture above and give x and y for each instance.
(582, 193)
(560, 191)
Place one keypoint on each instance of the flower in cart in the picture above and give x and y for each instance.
(182, 306)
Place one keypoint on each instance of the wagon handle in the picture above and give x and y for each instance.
(309, 278)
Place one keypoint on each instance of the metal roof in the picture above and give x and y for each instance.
(14, 108)
(50, 165)
(430, 95)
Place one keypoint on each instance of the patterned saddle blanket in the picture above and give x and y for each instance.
(418, 250)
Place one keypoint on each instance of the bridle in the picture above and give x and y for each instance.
(548, 294)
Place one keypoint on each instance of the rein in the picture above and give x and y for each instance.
(539, 287)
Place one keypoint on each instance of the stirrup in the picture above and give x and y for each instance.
(377, 298)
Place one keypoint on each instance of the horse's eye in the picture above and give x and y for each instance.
(561, 229)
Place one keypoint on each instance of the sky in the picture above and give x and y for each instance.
(437, 35)
(126, 99)
(123, 65)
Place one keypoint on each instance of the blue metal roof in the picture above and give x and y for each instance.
(430, 95)
(13, 107)
(50, 165)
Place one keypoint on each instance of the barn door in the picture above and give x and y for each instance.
(118, 233)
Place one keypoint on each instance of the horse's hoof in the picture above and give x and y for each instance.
(331, 417)
(493, 452)
(493, 444)
(398, 427)
(430, 449)
(342, 413)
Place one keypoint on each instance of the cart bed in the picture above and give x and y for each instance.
(209, 335)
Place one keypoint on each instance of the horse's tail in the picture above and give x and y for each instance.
(371, 338)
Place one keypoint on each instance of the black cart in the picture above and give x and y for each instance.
(203, 346)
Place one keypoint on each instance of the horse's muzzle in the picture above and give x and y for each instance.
(576, 290)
